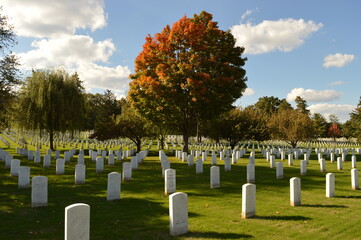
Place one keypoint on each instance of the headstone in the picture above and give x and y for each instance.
(23, 177)
(353, 162)
(214, 159)
(134, 162)
(39, 191)
(77, 222)
(190, 160)
(330, 185)
(178, 213)
(46, 161)
(111, 159)
(165, 166)
(14, 168)
(295, 191)
(227, 164)
(170, 181)
(251, 173)
(279, 170)
(204, 156)
(323, 165)
(354, 179)
(30, 155)
(8, 159)
(272, 161)
(60, 166)
(127, 171)
(290, 160)
(303, 167)
(113, 189)
(339, 163)
(37, 158)
(215, 177)
(79, 174)
(332, 157)
(81, 159)
(248, 200)
(199, 166)
(99, 164)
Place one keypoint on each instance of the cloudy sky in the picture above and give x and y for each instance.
(294, 48)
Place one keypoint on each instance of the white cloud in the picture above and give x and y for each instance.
(311, 95)
(44, 18)
(282, 35)
(341, 111)
(81, 54)
(248, 92)
(337, 83)
(337, 60)
(247, 13)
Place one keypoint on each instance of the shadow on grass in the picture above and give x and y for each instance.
(348, 197)
(283, 218)
(324, 206)
(217, 235)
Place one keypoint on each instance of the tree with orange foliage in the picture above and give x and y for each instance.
(334, 131)
(188, 72)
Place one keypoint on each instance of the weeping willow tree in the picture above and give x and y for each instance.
(52, 101)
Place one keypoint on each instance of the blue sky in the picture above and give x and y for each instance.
(306, 48)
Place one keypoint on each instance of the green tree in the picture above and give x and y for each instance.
(9, 73)
(320, 124)
(45, 102)
(267, 104)
(132, 125)
(103, 109)
(301, 105)
(352, 127)
(284, 105)
(188, 73)
(291, 126)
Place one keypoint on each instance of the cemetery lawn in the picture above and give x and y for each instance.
(142, 212)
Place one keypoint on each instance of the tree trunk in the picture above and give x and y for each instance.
(138, 143)
(162, 142)
(185, 140)
(294, 144)
(51, 133)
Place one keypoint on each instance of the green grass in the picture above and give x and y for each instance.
(142, 211)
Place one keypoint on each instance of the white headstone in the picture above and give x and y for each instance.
(295, 191)
(127, 171)
(227, 164)
(199, 166)
(215, 177)
(251, 173)
(303, 167)
(113, 189)
(77, 222)
(279, 170)
(323, 165)
(81, 159)
(79, 174)
(23, 177)
(39, 191)
(354, 179)
(170, 181)
(214, 159)
(248, 200)
(46, 161)
(178, 213)
(134, 162)
(339, 163)
(111, 159)
(14, 168)
(190, 160)
(272, 161)
(290, 160)
(330, 185)
(60, 166)
(353, 162)
(99, 164)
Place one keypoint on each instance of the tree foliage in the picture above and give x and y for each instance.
(46, 102)
(102, 112)
(291, 126)
(320, 124)
(189, 72)
(239, 124)
(271, 105)
(9, 73)
(301, 105)
(352, 127)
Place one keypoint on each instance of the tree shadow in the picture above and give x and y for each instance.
(283, 218)
(217, 235)
(348, 196)
(324, 206)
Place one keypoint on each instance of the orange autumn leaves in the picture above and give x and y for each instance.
(191, 66)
